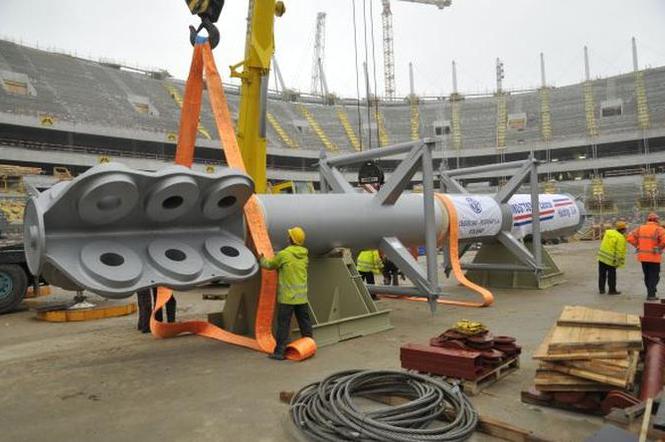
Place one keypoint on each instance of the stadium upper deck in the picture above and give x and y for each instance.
(74, 110)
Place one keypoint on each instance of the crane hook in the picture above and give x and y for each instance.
(213, 32)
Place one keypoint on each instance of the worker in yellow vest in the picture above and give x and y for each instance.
(611, 255)
(369, 263)
(291, 263)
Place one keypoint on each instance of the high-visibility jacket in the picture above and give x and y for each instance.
(649, 240)
(613, 249)
(291, 263)
(369, 261)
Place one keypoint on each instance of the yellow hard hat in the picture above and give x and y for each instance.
(620, 225)
(297, 235)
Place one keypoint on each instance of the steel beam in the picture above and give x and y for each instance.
(347, 220)
(447, 267)
(430, 221)
(496, 266)
(504, 194)
(395, 290)
(335, 179)
(397, 253)
(401, 177)
(323, 183)
(518, 249)
(372, 154)
(486, 168)
(450, 185)
(535, 214)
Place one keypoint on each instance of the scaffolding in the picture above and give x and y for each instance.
(11, 177)
(456, 123)
(652, 198)
(501, 120)
(551, 187)
(415, 120)
(545, 115)
(643, 115)
(590, 110)
(598, 205)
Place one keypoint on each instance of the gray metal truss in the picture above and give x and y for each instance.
(526, 169)
(418, 155)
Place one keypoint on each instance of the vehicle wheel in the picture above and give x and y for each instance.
(13, 284)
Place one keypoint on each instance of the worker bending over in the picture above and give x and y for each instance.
(649, 240)
(291, 263)
(369, 262)
(611, 255)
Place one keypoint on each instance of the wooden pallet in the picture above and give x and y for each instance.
(550, 381)
(587, 338)
(544, 353)
(578, 316)
(472, 388)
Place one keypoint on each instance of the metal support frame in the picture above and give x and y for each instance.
(525, 169)
(419, 154)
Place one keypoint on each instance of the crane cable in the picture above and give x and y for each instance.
(376, 90)
(355, 47)
(258, 230)
(366, 75)
(327, 411)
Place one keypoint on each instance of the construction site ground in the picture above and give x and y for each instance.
(104, 381)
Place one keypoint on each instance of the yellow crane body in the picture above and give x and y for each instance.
(259, 49)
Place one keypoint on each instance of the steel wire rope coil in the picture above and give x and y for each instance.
(326, 410)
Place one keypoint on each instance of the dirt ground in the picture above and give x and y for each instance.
(104, 381)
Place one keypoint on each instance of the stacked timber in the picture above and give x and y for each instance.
(585, 355)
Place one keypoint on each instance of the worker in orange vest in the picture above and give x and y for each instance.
(649, 240)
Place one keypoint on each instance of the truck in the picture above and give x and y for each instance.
(14, 277)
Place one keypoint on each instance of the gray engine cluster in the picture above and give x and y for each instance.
(114, 230)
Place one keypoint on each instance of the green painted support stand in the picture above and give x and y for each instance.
(341, 308)
(494, 253)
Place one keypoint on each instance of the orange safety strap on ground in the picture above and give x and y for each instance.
(453, 248)
(300, 349)
(263, 341)
(202, 328)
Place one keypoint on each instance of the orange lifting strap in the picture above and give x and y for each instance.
(258, 231)
(453, 247)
